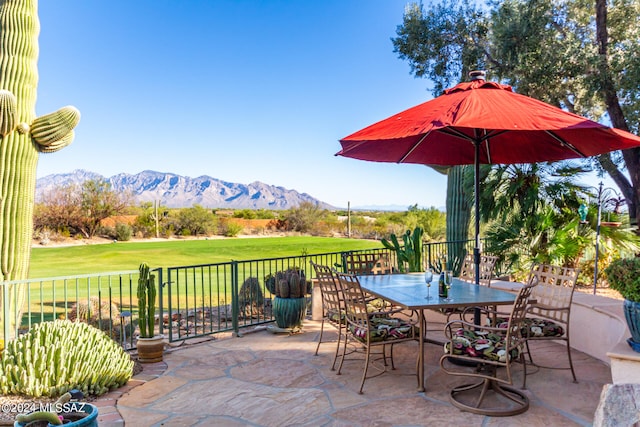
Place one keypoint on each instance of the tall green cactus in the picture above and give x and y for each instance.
(146, 302)
(410, 252)
(22, 137)
(459, 205)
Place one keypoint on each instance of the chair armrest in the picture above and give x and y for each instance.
(470, 311)
(548, 307)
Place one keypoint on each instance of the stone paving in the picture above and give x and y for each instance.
(266, 379)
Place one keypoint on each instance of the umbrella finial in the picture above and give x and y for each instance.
(477, 75)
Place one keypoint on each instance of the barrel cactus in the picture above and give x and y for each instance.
(290, 283)
(289, 305)
(22, 138)
(55, 357)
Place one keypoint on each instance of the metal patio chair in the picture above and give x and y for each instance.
(549, 316)
(488, 348)
(375, 332)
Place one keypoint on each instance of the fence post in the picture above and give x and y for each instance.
(160, 305)
(235, 307)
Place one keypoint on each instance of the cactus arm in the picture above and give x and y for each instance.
(8, 112)
(151, 304)
(54, 131)
(51, 417)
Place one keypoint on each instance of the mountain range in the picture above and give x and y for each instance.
(176, 191)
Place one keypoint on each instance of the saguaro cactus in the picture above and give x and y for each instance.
(459, 208)
(22, 137)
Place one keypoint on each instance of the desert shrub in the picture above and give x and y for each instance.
(100, 314)
(230, 229)
(123, 232)
(55, 357)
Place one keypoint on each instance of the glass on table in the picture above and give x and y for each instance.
(428, 278)
(448, 280)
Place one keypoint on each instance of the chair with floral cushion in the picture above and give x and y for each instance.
(332, 306)
(488, 348)
(372, 331)
(550, 314)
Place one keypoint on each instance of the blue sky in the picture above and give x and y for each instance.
(238, 90)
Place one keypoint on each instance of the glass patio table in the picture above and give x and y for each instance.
(409, 291)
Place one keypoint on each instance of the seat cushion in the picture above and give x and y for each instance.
(480, 344)
(335, 316)
(384, 329)
(536, 327)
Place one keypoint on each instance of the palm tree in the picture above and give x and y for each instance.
(532, 212)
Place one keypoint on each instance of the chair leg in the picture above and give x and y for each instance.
(366, 368)
(320, 337)
(573, 372)
(344, 352)
(335, 356)
(524, 366)
(520, 399)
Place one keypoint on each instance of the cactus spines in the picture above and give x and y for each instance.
(146, 302)
(8, 112)
(19, 155)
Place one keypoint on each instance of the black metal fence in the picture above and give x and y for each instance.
(194, 301)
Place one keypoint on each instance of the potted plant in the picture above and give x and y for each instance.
(66, 410)
(289, 305)
(150, 345)
(623, 275)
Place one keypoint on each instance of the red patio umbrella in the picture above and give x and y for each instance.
(483, 122)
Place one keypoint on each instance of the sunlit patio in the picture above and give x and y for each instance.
(269, 379)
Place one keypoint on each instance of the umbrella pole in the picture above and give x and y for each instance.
(476, 249)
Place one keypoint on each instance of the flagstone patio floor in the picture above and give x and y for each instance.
(267, 379)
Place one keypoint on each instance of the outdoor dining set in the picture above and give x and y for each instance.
(487, 331)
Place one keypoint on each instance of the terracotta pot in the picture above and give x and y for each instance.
(150, 349)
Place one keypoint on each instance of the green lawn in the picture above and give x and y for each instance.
(122, 256)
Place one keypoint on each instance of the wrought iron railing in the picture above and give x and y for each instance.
(193, 300)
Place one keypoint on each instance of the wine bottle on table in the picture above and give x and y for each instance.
(442, 289)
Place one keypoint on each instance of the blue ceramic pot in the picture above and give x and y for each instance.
(632, 315)
(289, 312)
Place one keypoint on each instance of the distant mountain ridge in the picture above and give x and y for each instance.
(177, 191)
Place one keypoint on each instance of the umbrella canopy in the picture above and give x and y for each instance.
(506, 127)
(483, 122)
